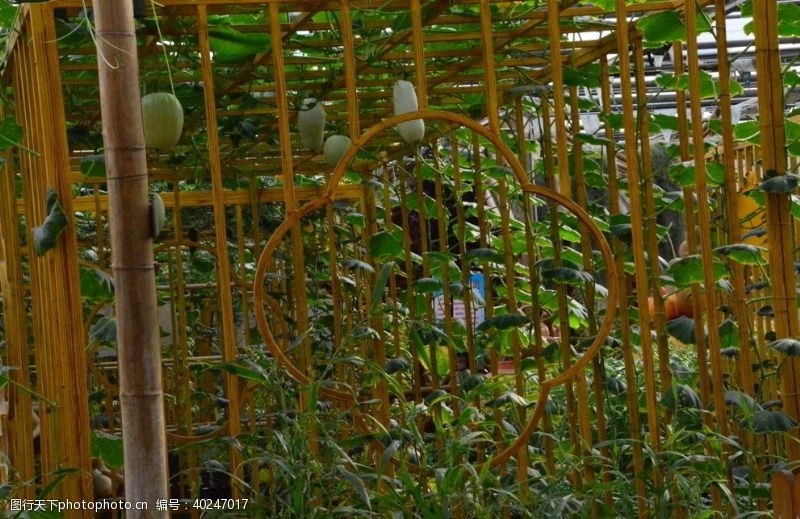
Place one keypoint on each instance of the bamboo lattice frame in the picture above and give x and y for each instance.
(272, 215)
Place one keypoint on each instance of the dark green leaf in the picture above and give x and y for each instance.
(428, 285)
(780, 183)
(614, 385)
(108, 447)
(385, 245)
(680, 395)
(739, 399)
(353, 263)
(96, 284)
(770, 422)
(787, 346)
(682, 328)
(397, 364)
(567, 276)
(728, 333)
(104, 331)
(743, 253)
(46, 235)
(484, 254)
(93, 165)
(509, 397)
(357, 484)
(504, 322)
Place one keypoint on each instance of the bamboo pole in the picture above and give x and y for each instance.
(625, 321)
(637, 231)
(779, 219)
(141, 396)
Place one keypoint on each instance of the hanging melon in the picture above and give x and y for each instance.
(311, 123)
(162, 117)
(405, 100)
(335, 146)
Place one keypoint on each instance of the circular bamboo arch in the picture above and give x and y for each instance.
(294, 217)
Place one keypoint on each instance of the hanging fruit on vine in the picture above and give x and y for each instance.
(162, 118)
(405, 101)
(311, 123)
(335, 146)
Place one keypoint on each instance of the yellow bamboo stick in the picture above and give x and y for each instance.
(228, 338)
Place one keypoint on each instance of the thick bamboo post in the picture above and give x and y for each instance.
(141, 395)
(779, 219)
(18, 443)
(57, 320)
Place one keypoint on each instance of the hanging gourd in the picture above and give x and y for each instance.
(335, 146)
(311, 123)
(162, 117)
(405, 100)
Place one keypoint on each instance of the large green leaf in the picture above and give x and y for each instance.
(788, 19)
(96, 284)
(787, 346)
(770, 422)
(385, 245)
(780, 183)
(688, 270)
(742, 400)
(748, 131)
(504, 322)
(93, 165)
(682, 328)
(231, 46)
(108, 447)
(428, 285)
(667, 26)
(743, 253)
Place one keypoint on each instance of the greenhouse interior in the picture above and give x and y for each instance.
(400, 258)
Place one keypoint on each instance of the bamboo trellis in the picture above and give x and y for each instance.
(365, 283)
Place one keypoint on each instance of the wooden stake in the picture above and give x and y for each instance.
(141, 394)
